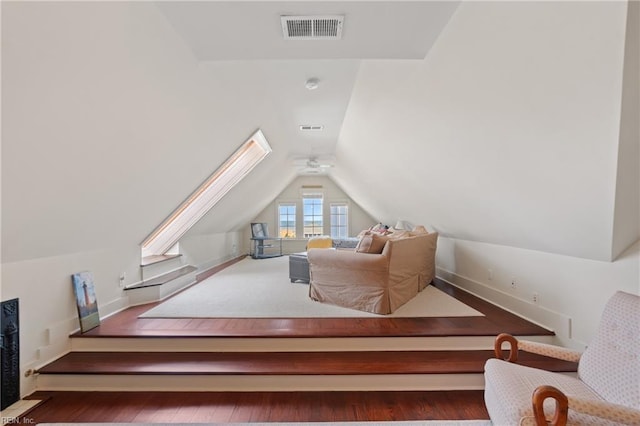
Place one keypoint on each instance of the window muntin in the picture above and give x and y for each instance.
(339, 219)
(249, 155)
(312, 219)
(287, 220)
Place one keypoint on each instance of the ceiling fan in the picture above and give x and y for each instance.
(313, 165)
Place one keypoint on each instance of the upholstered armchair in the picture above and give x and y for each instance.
(606, 390)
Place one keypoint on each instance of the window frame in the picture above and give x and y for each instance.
(228, 175)
(313, 195)
(346, 227)
(295, 218)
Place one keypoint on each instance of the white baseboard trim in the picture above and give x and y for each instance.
(213, 263)
(554, 321)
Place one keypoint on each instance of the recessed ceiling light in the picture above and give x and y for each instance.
(312, 83)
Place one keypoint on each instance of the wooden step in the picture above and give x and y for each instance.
(164, 278)
(218, 408)
(204, 343)
(128, 353)
(276, 371)
(280, 363)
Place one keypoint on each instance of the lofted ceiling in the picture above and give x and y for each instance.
(241, 30)
(498, 122)
(222, 34)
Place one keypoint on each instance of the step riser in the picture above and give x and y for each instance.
(286, 344)
(143, 295)
(259, 383)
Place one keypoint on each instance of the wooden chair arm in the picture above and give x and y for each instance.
(597, 408)
(562, 406)
(513, 347)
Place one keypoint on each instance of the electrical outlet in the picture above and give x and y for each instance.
(535, 298)
(123, 276)
(490, 274)
(514, 285)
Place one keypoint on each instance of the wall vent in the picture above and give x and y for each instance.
(311, 127)
(320, 27)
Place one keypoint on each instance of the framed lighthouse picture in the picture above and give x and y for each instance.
(86, 300)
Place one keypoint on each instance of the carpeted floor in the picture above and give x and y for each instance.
(261, 289)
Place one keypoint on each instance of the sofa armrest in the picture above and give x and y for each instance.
(515, 345)
(600, 409)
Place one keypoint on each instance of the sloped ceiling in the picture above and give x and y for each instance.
(114, 112)
(240, 30)
(507, 133)
(496, 122)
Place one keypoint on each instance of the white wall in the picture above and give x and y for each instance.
(358, 218)
(505, 138)
(48, 313)
(108, 125)
(109, 120)
(506, 133)
(94, 94)
(571, 291)
(627, 209)
(209, 250)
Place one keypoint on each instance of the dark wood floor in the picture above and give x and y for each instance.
(290, 363)
(495, 321)
(191, 407)
(231, 407)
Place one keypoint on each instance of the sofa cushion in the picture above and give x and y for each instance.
(396, 235)
(371, 243)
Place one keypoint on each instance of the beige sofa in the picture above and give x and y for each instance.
(372, 281)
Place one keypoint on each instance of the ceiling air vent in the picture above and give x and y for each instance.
(311, 127)
(321, 27)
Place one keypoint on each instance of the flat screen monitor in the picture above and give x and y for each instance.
(259, 230)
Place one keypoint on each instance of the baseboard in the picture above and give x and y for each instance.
(558, 323)
(211, 267)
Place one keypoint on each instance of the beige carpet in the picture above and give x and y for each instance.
(261, 289)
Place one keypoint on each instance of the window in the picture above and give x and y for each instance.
(339, 218)
(312, 214)
(287, 220)
(249, 155)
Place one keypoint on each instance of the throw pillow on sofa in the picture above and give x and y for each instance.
(320, 242)
(371, 243)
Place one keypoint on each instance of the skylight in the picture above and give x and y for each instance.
(249, 155)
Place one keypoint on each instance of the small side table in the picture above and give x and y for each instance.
(299, 267)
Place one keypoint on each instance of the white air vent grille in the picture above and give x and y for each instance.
(311, 127)
(324, 27)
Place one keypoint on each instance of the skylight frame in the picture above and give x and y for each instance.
(229, 174)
